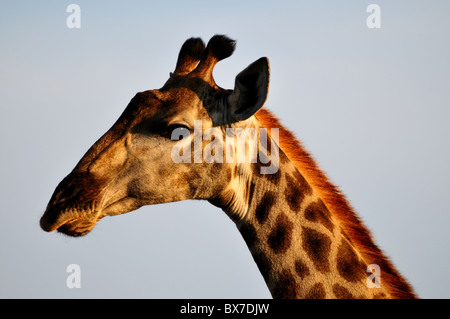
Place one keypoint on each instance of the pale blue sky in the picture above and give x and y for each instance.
(372, 106)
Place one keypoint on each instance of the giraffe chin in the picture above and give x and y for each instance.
(71, 223)
(77, 227)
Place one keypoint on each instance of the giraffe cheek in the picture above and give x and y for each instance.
(109, 160)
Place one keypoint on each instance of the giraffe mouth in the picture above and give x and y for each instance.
(75, 213)
(77, 222)
(69, 222)
(77, 227)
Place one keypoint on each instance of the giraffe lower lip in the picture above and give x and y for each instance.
(77, 227)
(70, 221)
(49, 223)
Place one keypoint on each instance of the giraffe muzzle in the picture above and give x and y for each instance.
(73, 207)
(72, 222)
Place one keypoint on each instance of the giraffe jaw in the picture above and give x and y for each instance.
(77, 227)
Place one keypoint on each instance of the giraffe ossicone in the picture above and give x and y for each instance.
(192, 139)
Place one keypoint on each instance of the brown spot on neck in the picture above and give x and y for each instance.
(286, 286)
(317, 246)
(341, 292)
(348, 264)
(301, 269)
(316, 292)
(281, 235)
(264, 206)
(318, 212)
(296, 190)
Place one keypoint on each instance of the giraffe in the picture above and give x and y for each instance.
(304, 236)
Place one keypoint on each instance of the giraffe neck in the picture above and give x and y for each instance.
(298, 246)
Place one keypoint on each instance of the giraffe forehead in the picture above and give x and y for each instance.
(185, 87)
(156, 106)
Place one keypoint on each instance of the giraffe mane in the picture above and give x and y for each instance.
(338, 205)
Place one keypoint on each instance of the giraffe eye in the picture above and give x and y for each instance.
(178, 131)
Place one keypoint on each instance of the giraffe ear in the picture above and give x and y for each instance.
(251, 87)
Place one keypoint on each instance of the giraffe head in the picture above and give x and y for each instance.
(132, 164)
